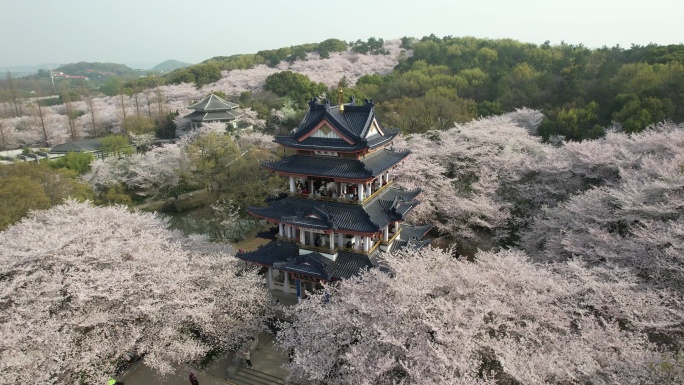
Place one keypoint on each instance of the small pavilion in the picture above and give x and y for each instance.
(214, 109)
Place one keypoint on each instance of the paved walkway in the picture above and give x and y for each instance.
(227, 369)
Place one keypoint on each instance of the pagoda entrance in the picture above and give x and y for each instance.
(305, 284)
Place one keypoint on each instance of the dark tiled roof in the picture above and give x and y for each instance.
(200, 116)
(345, 168)
(86, 145)
(391, 205)
(323, 144)
(213, 103)
(379, 140)
(312, 264)
(410, 244)
(283, 255)
(414, 232)
(354, 124)
(347, 265)
(273, 252)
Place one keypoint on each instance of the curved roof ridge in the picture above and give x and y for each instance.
(213, 102)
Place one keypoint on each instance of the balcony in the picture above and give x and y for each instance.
(395, 236)
(341, 199)
(327, 250)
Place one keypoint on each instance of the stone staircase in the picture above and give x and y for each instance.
(267, 363)
(246, 376)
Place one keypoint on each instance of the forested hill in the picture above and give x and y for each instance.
(170, 65)
(440, 81)
(93, 69)
(417, 84)
(580, 90)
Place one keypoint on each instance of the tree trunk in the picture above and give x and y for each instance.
(2, 136)
(123, 108)
(160, 101)
(137, 107)
(149, 103)
(70, 114)
(17, 106)
(89, 101)
(42, 124)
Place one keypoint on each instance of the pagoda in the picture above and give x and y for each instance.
(342, 208)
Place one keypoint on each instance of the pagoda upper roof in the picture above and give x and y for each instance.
(355, 128)
(213, 103)
(334, 167)
(390, 205)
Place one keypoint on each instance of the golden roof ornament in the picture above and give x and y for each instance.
(340, 95)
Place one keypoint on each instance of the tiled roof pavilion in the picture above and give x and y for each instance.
(214, 109)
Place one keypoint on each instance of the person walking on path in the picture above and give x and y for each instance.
(193, 379)
(248, 357)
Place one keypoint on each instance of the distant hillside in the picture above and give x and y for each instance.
(25, 70)
(170, 65)
(93, 70)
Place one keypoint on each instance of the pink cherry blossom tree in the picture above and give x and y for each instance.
(83, 287)
(434, 319)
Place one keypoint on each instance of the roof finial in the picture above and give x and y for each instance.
(340, 96)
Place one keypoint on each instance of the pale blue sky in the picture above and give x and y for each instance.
(143, 33)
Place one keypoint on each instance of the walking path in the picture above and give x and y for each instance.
(229, 369)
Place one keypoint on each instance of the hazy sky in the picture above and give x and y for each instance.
(143, 33)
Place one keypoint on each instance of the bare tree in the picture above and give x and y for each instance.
(88, 98)
(71, 114)
(136, 90)
(4, 135)
(14, 96)
(41, 114)
(160, 100)
(123, 104)
(149, 103)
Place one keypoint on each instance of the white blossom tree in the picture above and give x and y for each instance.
(625, 207)
(155, 173)
(438, 320)
(107, 111)
(82, 287)
(462, 171)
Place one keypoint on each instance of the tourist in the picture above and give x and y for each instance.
(193, 379)
(248, 357)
